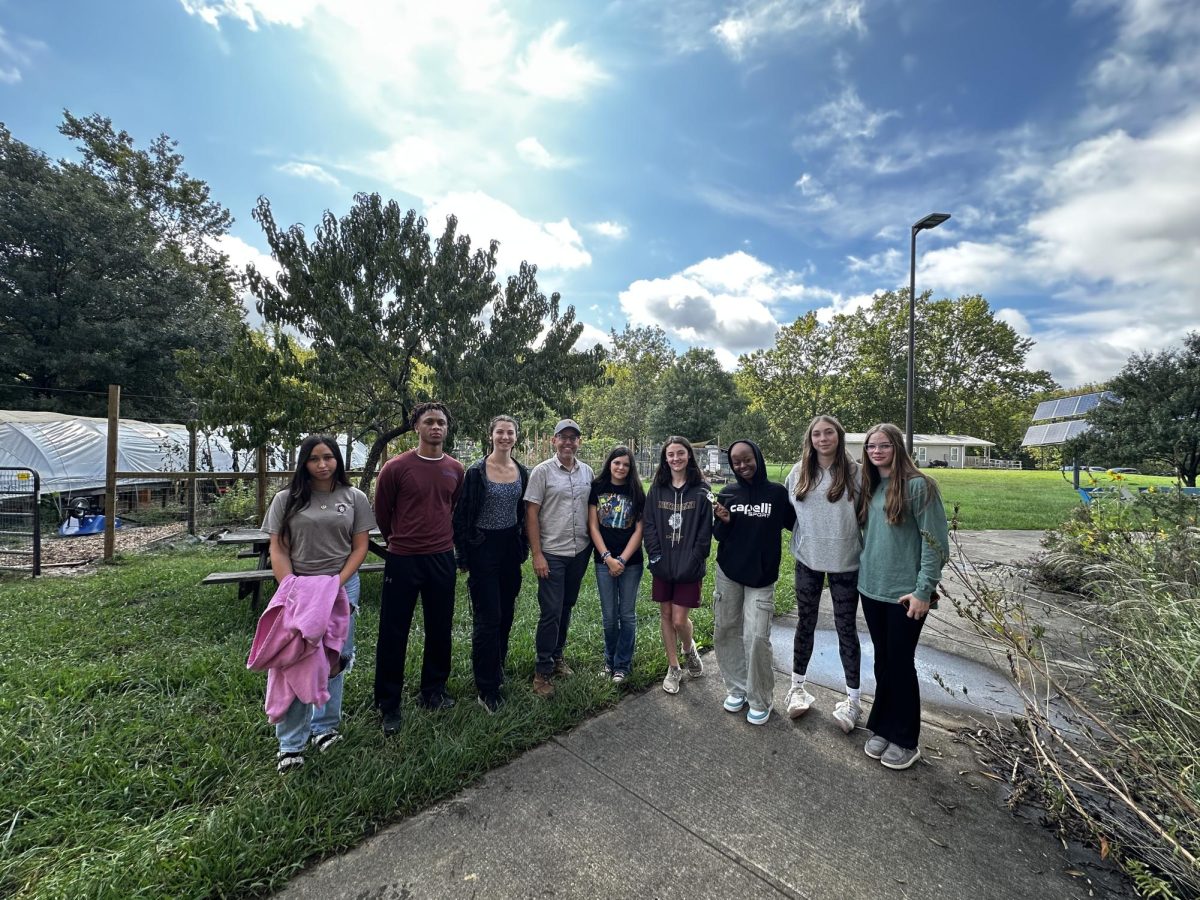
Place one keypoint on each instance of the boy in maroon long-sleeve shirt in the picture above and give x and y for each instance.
(414, 499)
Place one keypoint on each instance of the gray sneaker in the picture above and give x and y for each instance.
(896, 757)
(876, 747)
(671, 682)
(695, 665)
(847, 715)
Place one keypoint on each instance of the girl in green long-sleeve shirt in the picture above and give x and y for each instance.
(905, 545)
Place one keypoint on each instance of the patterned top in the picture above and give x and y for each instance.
(500, 505)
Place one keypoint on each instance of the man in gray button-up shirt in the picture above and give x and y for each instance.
(556, 510)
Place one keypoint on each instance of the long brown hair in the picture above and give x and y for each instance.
(844, 470)
(904, 470)
(662, 477)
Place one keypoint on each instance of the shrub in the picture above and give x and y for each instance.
(1118, 760)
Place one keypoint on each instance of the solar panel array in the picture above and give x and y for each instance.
(1070, 407)
(1054, 433)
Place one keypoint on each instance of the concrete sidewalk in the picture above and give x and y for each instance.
(669, 796)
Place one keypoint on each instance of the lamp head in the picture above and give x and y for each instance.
(933, 220)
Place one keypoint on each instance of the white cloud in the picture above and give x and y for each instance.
(531, 150)
(1151, 67)
(591, 336)
(845, 118)
(310, 171)
(241, 253)
(1016, 319)
(16, 53)
(551, 245)
(612, 230)
(451, 88)
(251, 13)
(757, 21)
(727, 303)
(1110, 242)
(548, 69)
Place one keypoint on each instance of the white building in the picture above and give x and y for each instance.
(956, 451)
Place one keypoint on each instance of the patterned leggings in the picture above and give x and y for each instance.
(843, 588)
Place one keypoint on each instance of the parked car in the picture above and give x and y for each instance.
(1085, 469)
(1123, 471)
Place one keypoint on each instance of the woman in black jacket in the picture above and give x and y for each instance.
(751, 516)
(490, 545)
(678, 536)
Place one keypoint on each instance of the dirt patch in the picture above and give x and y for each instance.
(71, 556)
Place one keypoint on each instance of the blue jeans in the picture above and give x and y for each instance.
(303, 720)
(618, 608)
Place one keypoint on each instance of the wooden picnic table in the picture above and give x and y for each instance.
(258, 543)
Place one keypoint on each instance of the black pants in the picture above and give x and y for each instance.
(494, 581)
(896, 712)
(556, 597)
(430, 576)
(843, 590)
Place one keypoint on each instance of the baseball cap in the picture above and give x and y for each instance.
(564, 424)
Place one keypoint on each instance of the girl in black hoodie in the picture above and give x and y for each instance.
(751, 516)
(678, 536)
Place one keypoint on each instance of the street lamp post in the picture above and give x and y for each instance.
(933, 220)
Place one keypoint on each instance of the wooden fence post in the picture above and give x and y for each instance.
(110, 472)
(261, 482)
(191, 482)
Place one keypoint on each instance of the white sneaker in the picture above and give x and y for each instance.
(735, 703)
(847, 715)
(798, 701)
(671, 682)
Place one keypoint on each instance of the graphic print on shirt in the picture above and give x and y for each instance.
(614, 510)
(677, 507)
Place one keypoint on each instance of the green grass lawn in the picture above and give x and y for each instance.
(1010, 499)
(136, 760)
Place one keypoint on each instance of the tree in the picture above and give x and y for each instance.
(803, 375)
(970, 368)
(1157, 418)
(91, 293)
(695, 397)
(617, 405)
(259, 387)
(393, 317)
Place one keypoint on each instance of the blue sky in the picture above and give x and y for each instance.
(717, 168)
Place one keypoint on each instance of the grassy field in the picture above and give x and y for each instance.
(1010, 499)
(136, 760)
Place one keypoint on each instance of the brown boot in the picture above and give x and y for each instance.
(543, 686)
(561, 669)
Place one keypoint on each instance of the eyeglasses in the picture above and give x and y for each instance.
(871, 448)
(568, 438)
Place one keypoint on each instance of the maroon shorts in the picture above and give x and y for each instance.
(681, 593)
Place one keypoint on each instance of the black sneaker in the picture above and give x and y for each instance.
(436, 703)
(491, 704)
(391, 723)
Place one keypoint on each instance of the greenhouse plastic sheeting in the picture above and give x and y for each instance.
(69, 451)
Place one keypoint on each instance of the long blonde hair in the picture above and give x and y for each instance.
(904, 470)
(844, 470)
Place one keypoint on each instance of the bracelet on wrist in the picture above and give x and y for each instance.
(620, 559)
(604, 557)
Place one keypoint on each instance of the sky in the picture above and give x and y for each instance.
(716, 168)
